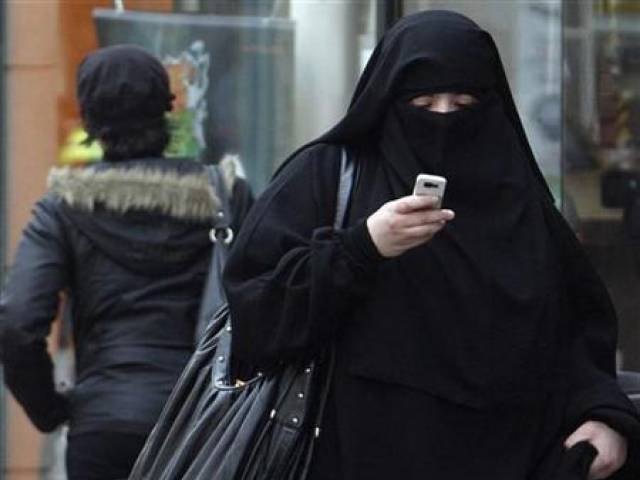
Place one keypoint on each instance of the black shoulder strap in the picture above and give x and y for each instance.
(213, 295)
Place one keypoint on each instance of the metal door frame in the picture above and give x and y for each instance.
(3, 210)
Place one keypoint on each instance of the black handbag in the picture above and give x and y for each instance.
(214, 427)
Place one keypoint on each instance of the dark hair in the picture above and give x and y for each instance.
(127, 140)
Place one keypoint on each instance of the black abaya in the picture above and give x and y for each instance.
(472, 356)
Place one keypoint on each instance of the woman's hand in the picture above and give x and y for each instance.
(611, 446)
(405, 223)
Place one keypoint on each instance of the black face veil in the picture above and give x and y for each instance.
(481, 300)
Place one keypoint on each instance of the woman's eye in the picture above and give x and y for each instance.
(466, 100)
(423, 101)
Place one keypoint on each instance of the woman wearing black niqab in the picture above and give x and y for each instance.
(480, 346)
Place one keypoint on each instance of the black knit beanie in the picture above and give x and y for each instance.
(120, 87)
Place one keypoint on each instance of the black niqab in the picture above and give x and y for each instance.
(472, 356)
(460, 52)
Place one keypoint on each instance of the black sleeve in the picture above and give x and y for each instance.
(291, 276)
(596, 394)
(28, 306)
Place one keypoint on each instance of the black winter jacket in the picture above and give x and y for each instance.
(128, 244)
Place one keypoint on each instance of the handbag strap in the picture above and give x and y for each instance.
(221, 236)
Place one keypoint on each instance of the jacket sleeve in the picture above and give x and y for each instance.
(595, 394)
(291, 276)
(28, 306)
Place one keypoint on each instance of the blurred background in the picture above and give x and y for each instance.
(256, 78)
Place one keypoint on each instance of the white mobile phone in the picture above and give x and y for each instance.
(430, 185)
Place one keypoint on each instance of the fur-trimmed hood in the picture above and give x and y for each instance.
(150, 215)
(173, 188)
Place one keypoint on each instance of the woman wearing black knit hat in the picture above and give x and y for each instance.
(128, 240)
(473, 341)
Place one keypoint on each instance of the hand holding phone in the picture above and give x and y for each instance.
(405, 223)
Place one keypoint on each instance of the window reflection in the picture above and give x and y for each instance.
(602, 140)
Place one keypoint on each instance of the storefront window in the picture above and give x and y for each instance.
(601, 149)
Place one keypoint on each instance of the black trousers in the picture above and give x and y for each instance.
(102, 455)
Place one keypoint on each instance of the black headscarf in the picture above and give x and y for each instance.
(440, 38)
(475, 314)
